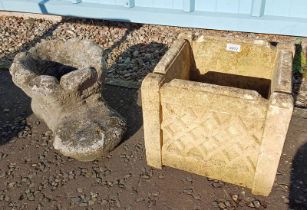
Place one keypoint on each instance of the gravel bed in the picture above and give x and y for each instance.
(131, 50)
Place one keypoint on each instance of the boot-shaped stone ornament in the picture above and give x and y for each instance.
(64, 80)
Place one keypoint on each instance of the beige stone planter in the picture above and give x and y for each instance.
(220, 108)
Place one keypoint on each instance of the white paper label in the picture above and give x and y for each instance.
(233, 47)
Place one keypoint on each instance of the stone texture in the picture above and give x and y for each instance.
(256, 57)
(218, 113)
(151, 113)
(274, 134)
(282, 77)
(212, 130)
(64, 81)
(164, 72)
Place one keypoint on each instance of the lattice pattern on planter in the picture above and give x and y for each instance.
(230, 122)
(205, 135)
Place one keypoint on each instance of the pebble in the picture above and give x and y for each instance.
(235, 197)
(215, 204)
(222, 205)
(251, 205)
(285, 199)
(257, 204)
(218, 184)
(135, 53)
(227, 203)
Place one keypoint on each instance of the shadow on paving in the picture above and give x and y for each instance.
(298, 186)
(14, 108)
(128, 101)
(118, 98)
(137, 61)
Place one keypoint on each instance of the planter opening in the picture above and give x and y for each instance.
(241, 64)
(52, 68)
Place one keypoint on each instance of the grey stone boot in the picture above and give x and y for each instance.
(64, 80)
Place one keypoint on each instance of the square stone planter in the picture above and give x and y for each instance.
(220, 108)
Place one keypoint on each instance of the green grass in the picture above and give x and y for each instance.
(300, 61)
(304, 64)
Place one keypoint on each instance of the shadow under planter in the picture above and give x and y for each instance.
(14, 108)
(64, 81)
(220, 108)
(298, 188)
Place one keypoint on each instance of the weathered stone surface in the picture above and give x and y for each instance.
(164, 72)
(219, 113)
(282, 77)
(274, 134)
(151, 113)
(256, 58)
(64, 80)
(212, 130)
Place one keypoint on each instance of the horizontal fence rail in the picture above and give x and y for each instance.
(288, 17)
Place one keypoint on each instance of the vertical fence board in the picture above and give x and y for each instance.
(209, 5)
(188, 5)
(1, 5)
(227, 6)
(298, 8)
(258, 7)
(278, 7)
(245, 6)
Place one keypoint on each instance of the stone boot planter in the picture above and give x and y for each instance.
(220, 108)
(64, 80)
